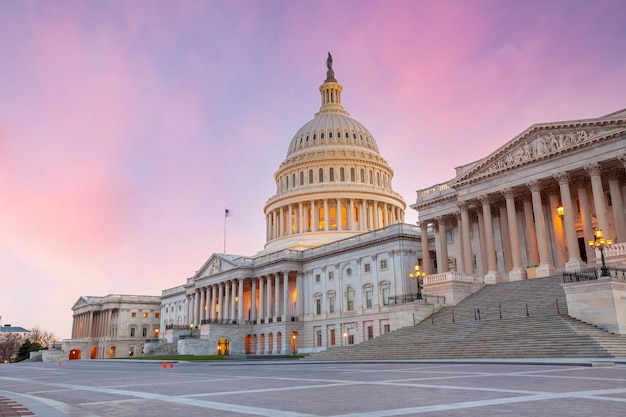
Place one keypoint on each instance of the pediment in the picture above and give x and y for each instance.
(81, 302)
(540, 142)
(216, 264)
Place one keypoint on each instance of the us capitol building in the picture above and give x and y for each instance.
(339, 262)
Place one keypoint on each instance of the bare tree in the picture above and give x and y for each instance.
(9, 345)
(40, 336)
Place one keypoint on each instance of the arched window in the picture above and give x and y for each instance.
(330, 135)
(342, 174)
(352, 178)
(371, 175)
(362, 175)
(320, 216)
(331, 174)
(333, 218)
(344, 217)
(378, 179)
(293, 179)
(310, 176)
(301, 177)
(314, 136)
(322, 135)
(350, 299)
(321, 175)
(347, 136)
(287, 182)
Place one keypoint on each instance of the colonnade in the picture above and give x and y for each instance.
(92, 324)
(331, 214)
(531, 231)
(264, 299)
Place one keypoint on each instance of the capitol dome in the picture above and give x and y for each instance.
(333, 183)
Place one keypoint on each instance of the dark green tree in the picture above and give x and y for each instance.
(24, 350)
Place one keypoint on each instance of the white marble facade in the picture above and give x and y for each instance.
(498, 216)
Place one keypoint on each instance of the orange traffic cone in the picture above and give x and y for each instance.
(164, 364)
(171, 364)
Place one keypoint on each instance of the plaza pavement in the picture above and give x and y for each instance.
(298, 388)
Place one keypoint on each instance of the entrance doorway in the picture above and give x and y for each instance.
(74, 354)
(94, 352)
(112, 352)
(223, 346)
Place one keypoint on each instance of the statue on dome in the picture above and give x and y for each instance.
(329, 61)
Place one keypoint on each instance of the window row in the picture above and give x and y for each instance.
(305, 139)
(320, 175)
(368, 296)
(366, 269)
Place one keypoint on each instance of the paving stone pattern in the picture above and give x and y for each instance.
(315, 389)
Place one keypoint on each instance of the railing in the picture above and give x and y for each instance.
(409, 298)
(590, 274)
(452, 276)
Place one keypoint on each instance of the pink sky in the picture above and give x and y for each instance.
(126, 127)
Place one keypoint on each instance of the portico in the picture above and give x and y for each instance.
(498, 217)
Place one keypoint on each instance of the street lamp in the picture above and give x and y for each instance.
(345, 338)
(190, 330)
(418, 275)
(293, 341)
(601, 243)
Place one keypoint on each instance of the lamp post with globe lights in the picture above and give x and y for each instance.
(417, 275)
(600, 243)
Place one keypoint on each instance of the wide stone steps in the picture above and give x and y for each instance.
(532, 326)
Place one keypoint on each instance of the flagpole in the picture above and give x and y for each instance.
(225, 216)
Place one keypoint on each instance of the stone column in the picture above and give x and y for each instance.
(202, 304)
(363, 219)
(261, 314)
(557, 227)
(227, 301)
(466, 243)
(585, 216)
(240, 302)
(505, 239)
(376, 216)
(443, 244)
(326, 216)
(233, 299)
(425, 252)
(350, 215)
(618, 206)
(290, 225)
(574, 262)
(301, 218)
(545, 267)
(314, 216)
(213, 302)
(299, 306)
(268, 295)
(531, 235)
(221, 308)
(338, 216)
(286, 296)
(492, 274)
(517, 273)
(277, 296)
(594, 171)
(253, 284)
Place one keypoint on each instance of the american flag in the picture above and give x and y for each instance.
(226, 212)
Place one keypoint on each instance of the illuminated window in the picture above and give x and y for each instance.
(145, 315)
(157, 315)
(133, 314)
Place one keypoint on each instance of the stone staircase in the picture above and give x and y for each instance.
(521, 319)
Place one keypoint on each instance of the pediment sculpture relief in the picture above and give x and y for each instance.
(540, 146)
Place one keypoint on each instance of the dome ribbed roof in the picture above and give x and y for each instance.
(332, 129)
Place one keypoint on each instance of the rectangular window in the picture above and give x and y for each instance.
(317, 278)
(368, 298)
(370, 332)
(350, 300)
(331, 304)
(132, 332)
(366, 268)
(449, 236)
(386, 296)
(318, 306)
(331, 276)
(318, 337)
(350, 339)
(332, 337)
(386, 328)
(133, 314)
(145, 315)
(156, 315)
(383, 264)
(144, 332)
